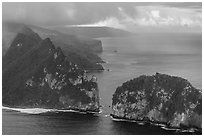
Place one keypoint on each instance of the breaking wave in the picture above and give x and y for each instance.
(126, 120)
(166, 128)
(43, 110)
(163, 126)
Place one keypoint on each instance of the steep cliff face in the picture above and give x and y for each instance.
(36, 74)
(80, 50)
(159, 98)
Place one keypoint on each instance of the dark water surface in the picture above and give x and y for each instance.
(130, 57)
(15, 123)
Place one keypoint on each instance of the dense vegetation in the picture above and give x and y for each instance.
(82, 51)
(167, 96)
(36, 74)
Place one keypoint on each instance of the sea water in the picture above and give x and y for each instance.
(127, 58)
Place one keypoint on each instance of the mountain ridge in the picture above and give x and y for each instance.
(82, 49)
(43, 77)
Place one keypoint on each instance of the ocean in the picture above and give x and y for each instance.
(126, 58)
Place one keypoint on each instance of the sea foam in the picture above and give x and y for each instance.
(30, 110)
(126, 120)
(42, 110)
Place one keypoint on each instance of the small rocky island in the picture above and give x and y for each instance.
(36, 74)
(159, 98)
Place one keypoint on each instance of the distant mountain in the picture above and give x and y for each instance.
(36, 74)
(93, 32)
(83, 51)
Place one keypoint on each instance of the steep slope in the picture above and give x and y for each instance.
(84, 49)
(159, 98)
(25, 37)
(41, 75)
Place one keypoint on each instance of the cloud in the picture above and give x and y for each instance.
(118, 15)
(38, 13)
(70, 13)
(160, 16)
(120, 9)
(156, 16)
(108, 22)
(155, 13)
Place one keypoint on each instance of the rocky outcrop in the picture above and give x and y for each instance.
(159, 98)
(37, 74)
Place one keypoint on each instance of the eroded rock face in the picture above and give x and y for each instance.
(40, 75)
(159, 98)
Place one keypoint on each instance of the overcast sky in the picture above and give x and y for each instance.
(129, 16)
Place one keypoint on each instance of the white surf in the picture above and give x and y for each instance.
(41, 110)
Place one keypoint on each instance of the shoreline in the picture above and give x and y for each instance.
(162, 125)
(48, 110)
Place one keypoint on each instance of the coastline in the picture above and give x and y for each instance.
(48, 110)
(162, 125)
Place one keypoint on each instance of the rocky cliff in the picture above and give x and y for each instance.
(159, 98)
(80, 50)
(37, 74)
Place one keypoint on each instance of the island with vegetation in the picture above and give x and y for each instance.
(159, 98)
(36, 74)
